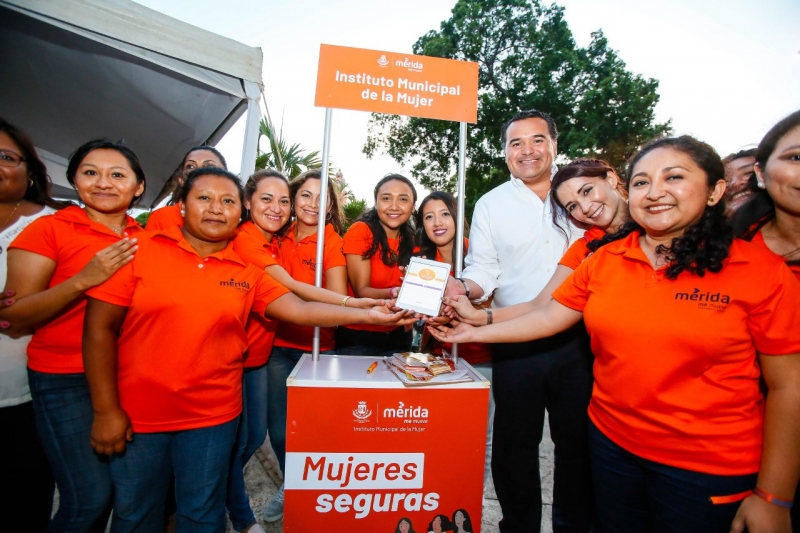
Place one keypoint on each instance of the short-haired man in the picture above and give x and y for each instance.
(738, 170)
(514, 249)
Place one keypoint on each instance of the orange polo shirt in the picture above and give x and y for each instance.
(71, 239)
(579, 250)
(251, 246)
(182, 342)
(758, 240)
(358, 240)
(676, 377)
(472, 352)
(166, 217)
(299, 260)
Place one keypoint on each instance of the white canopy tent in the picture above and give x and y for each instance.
(83, 69)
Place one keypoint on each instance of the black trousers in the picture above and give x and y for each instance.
(25, 473)
(553, 374)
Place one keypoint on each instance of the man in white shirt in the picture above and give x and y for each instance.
(514, 249)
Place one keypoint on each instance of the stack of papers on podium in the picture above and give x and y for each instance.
(413, 370)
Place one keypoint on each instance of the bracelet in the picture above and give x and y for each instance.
(344, 301)
(489, 316)
(466, 287)
(769, 498)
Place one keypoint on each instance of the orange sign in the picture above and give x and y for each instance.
(399, 84)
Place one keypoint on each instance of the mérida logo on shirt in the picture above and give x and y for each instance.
(241, 286)
(708, 300)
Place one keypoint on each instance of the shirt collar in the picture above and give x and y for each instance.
(78, 215)
(175, 234)
(630, 248)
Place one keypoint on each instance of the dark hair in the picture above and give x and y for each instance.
(524, 115)
(410, 526)
(749, 152)
(177, 174)
(83, 150)
(446, 524)
(705, 244)
(580, 168)
(336, 214)
(760, 208)
(251, 187)
(204, 147)
(467, 521)
(194, 175)
(424, 243)
(39, 191)
(379, 239)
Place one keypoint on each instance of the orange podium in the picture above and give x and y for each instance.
(364, 452)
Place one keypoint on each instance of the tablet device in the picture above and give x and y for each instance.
(423, 286)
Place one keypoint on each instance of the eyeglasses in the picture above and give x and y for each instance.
(10, 159)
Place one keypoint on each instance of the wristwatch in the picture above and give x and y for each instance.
(466, 287)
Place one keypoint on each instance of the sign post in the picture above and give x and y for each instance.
(364, 452)
(401, 84)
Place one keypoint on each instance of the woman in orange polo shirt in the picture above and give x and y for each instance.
(170, 398)
(592, 194)
(50, 265)
(196, 157)
(375, 248)
(298, 256)
(436, 239)
(771, 219)
(681, 435)
(259, 242)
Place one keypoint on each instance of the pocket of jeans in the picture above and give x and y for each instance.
(731, 498)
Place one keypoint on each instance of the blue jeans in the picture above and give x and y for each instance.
(251, 434)
(63, 411)
(635, 495)
(200, 459)
(280, 365)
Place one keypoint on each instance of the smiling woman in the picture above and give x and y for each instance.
(174, 320)
(375, 248)
(50, 265)
(665, 445)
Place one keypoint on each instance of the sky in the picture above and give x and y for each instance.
(728, 70)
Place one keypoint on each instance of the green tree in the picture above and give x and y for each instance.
(527, 59)
(289, 159)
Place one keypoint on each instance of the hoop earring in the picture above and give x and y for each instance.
(30, 182)
(328, 218)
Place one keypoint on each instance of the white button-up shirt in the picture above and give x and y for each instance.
(514, 246)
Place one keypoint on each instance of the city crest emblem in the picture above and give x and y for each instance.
(361, 412)
(382, 61)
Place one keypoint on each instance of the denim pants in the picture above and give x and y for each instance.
(280, 365)
(200, 459)
(251, 434)
(27, 478)
(635, 495)
(63, 411)
(372, 343)
(553, 374)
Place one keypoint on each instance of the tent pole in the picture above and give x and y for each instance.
(250, 147)
(462, 174)
(323, 202)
